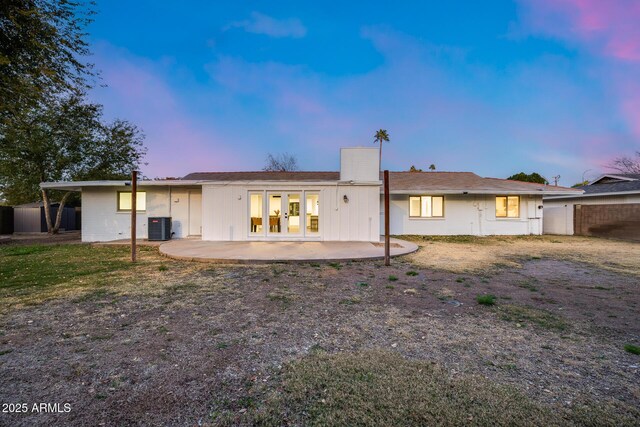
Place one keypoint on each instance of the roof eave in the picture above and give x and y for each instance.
(484, 191)
(289, 183)
(579, 196)
(612, 175)
(79, 185)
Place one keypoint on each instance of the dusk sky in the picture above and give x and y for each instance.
(499, 87)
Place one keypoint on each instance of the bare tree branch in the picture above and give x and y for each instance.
(626, 164)
(283, 162)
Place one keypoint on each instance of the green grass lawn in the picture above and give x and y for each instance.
(31, 272)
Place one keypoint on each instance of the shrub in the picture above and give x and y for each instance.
(486, 299)
(633, 349)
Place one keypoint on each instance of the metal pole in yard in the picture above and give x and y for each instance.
(134, 208)
(387, 247)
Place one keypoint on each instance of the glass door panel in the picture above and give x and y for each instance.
(293, 213)
(257, 223)
(312, 213)
(275, 213)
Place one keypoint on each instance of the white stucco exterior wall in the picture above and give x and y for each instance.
(225, 211)
(465, 215)
(102, 222)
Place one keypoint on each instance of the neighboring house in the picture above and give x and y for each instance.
(314, 206)
(30, 218)
(609, 207)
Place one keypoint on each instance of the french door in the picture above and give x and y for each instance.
(284, 213)
(283, 210)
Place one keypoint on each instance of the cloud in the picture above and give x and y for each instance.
(610, 28)
(440, 107)
(610, 32)
(272, 27)
(549, 114)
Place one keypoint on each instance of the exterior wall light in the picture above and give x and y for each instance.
(345, 198)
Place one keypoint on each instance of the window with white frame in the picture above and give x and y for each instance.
(507, 206)
(426, 206)
(124, 201)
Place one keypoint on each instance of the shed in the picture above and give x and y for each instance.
(30, 217)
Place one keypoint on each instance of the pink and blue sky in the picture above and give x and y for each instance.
(496, 87)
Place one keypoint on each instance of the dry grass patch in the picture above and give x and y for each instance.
(473, 254)
(533, 316)
(283, 296)
(382, 389)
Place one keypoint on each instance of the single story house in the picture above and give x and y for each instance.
(346, 205)
(609, 207)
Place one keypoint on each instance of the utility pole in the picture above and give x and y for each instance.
(387, 243)
(134, 209)
(556, 179)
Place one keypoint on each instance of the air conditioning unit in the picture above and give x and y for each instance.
(159, 228)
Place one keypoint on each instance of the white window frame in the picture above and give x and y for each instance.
(304, 219)
(138, 193)
(431, 204)
(506, 216)
(263, 232)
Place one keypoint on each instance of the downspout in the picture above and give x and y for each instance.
(477, 204)
(480, 219)
(171, 233)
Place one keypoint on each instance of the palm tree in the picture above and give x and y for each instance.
(381, 135)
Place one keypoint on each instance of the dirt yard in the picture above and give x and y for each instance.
(357, 343)
(472, 254)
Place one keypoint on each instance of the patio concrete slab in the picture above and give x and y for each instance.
(246, 252)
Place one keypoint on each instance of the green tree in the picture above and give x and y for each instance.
(432, 167)
(48, 132)
(42, 46)
(532, 177)
(63, 141)
(414, 169)
(380, 136)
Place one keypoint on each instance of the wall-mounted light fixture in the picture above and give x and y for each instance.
(345, 198)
